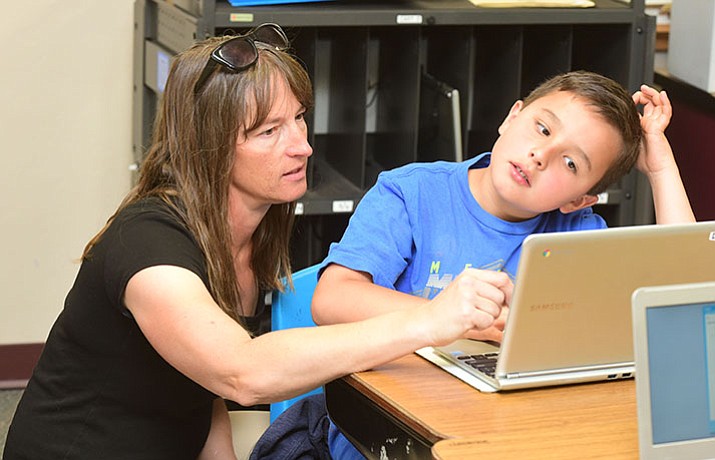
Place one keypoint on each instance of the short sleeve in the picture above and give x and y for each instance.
(378, 239)
(142, 237)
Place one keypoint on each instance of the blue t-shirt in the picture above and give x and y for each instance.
(420, 226)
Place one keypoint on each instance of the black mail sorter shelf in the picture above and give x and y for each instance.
(403, 81)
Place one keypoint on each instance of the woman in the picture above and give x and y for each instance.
(165, 317)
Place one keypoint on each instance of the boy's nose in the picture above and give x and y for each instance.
(538, 157)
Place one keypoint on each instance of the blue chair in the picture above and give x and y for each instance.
(292, 309)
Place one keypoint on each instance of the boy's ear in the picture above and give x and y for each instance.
(579, 203)
(513, 112)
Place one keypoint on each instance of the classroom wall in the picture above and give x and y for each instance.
(65, 142)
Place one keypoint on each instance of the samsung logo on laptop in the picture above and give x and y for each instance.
(554, 306)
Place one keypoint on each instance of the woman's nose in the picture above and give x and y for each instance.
(299, 145)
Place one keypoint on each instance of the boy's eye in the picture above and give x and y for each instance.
(570, 164)
(543, 129)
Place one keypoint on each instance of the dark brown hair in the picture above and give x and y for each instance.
(614, 104)
(192, 155)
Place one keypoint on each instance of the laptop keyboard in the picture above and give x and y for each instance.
(485, 363)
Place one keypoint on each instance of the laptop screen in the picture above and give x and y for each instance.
(681, 358)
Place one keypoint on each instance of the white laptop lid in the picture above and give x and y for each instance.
(573, 291)
(674, 342)
(570, 317)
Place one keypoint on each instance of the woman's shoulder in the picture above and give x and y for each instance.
(149, 205)
(151, 229)
(152, 208)
(148, 218)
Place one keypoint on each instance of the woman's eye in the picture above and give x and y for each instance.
(268, 131)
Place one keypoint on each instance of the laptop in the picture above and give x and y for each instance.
(674, 343)
(570, 315)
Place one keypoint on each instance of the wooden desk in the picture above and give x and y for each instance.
(412, 409)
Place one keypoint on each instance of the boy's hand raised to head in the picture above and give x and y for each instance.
(656, 159)
(657, 110)
(474, 302)
(656, 155)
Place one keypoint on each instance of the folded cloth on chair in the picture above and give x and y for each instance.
(300, 432)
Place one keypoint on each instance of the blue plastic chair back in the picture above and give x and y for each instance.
(292, 309)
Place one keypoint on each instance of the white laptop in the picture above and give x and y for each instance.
(570, 315)
(674, 342)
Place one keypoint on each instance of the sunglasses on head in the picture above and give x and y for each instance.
(240, 53)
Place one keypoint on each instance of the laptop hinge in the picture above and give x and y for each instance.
(600, 367)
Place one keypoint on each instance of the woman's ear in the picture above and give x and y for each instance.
(513, 112)
(579, 203)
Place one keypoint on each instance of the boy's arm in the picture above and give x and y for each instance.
(344, 295)
(657, 161)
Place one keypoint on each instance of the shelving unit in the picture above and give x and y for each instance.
(366, 59)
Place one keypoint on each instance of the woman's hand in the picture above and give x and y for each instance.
(494, 333)
(475, 304)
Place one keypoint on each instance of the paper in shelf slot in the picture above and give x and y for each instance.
(533, 3)
(270, 2)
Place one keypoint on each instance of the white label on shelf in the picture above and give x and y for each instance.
(298, 208)
(343, 206)
(241, 17)
(409, 19)
(602, 198)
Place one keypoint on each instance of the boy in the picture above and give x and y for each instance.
(422, 224)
